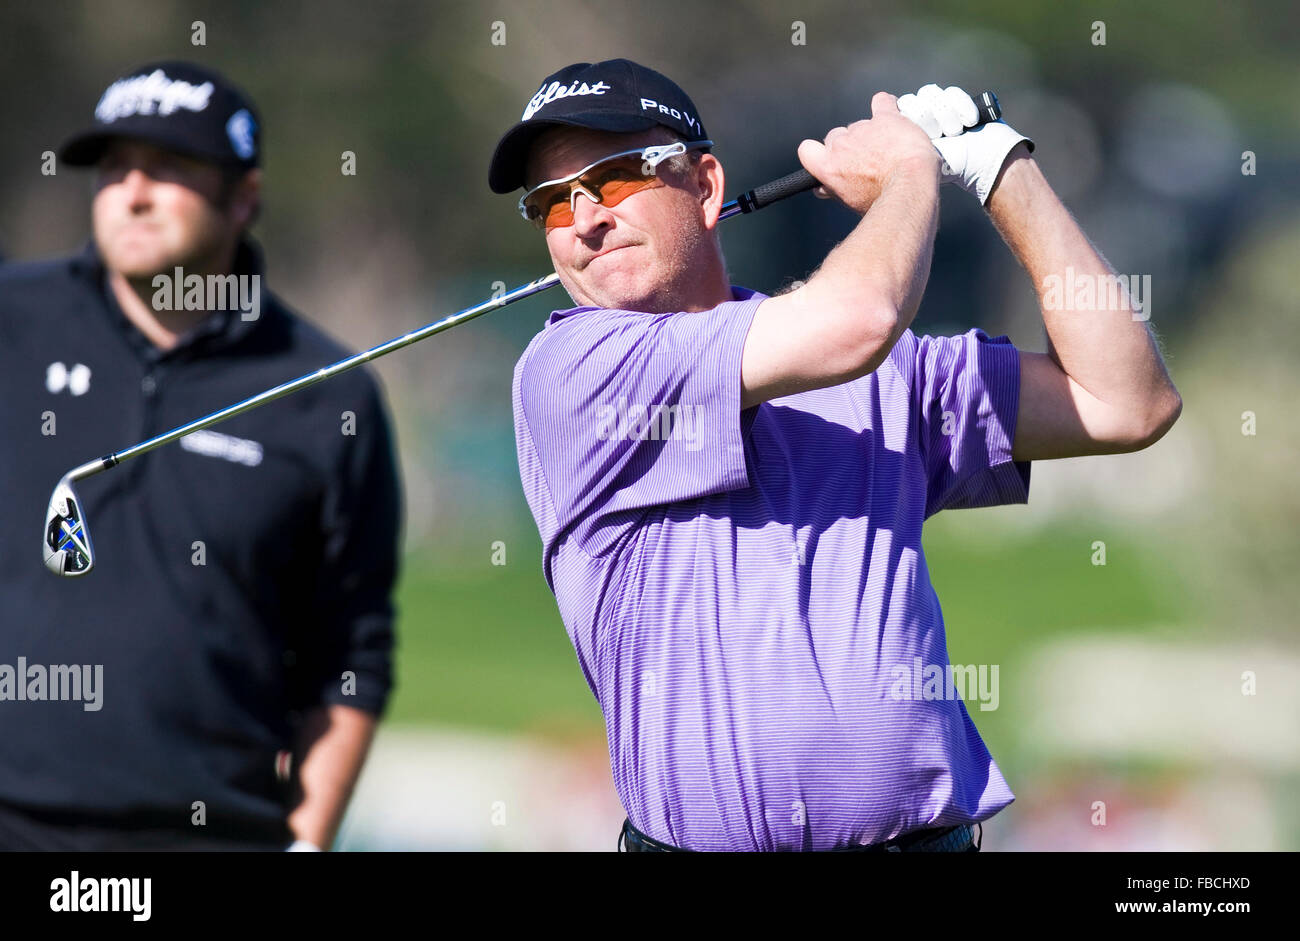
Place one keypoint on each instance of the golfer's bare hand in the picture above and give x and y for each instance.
(854, 162)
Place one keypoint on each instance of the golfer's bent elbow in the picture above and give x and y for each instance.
(1162, 418)
(1141, 430)
(868, 336)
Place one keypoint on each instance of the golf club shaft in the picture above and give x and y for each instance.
(310, 379)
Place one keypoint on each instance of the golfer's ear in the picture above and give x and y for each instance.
(246, 199)
(711, 182)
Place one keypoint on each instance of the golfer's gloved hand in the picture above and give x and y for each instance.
(971, 158)
(302, 846)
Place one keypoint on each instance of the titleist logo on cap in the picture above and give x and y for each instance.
(548, 93)
(151, 94)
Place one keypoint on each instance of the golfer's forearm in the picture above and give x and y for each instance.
(331, 750)
(1097, 342)
(885, 261)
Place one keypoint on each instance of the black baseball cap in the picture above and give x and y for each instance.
(615, 95)
(178, 106)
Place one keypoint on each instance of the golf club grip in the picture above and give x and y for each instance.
(801, 180)
(777, 190)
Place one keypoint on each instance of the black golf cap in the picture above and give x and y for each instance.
(615, 95)
(178, 106)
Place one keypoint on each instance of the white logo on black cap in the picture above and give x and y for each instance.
(546, 94)
(151, 94)
(240, 129)
(683, 116)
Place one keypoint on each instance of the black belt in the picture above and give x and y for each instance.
(960, 838)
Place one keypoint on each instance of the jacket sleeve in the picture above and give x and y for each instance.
(351, 637)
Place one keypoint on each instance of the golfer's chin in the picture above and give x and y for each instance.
(623, 300)
(136, 263)
(625, 287)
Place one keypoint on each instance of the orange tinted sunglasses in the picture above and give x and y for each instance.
(607, 182)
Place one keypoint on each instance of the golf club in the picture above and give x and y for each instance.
(66, 543)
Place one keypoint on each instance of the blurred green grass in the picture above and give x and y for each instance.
(1004, 597)
(1004, 594)
(482, 646)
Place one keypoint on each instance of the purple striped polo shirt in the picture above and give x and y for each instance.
(746, 590)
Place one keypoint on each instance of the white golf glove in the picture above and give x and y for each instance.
(971, 158)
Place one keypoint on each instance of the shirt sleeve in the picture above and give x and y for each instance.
(626, 411)
(966, 392)
(349, 649)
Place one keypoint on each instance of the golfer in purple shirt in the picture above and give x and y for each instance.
(730, 488)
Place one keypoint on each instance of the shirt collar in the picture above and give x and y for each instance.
(738, 294)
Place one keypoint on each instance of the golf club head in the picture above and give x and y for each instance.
(67, 540)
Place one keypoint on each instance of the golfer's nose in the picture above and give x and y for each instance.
(589, 216)
(138, 186)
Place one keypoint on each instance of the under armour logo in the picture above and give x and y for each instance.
(59, 377)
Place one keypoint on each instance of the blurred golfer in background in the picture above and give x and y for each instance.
(215, 682)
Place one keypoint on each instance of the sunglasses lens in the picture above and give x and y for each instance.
(614, 192)
(547, 211)
(560, 212)
(610, 183)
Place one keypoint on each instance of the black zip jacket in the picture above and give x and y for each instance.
(206, 667)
